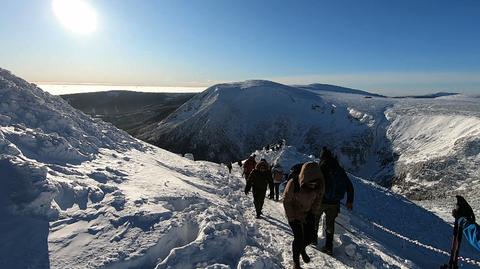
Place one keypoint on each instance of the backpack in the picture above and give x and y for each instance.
(336, 183)
(248, 166)
(277, 174)
(294, 172)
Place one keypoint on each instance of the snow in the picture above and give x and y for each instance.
(422, 137)
(79, 193)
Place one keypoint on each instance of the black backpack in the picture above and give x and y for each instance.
(336, 182)
(294, 173)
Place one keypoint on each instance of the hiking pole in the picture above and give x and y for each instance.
(457, 239)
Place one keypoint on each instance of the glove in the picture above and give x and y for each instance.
(463, 209)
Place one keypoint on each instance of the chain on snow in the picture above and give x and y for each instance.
(416, 242)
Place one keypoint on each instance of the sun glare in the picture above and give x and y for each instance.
(76, 15)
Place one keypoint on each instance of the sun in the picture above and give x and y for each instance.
(76, 15)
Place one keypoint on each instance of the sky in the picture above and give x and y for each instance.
(389, 47)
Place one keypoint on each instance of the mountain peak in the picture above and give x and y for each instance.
(242, 116)
(248, 84)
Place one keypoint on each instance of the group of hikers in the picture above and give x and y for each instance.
(312, 189)
(316, 188)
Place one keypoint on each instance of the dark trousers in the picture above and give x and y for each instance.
(258, 199)
(303, 234)
(331, 212)
(271, 187)
(276, 187)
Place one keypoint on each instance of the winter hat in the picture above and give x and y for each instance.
(310, 173)
(463, 209)
(326, 154)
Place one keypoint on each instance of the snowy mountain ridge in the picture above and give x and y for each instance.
(337, 89)
(228, 121)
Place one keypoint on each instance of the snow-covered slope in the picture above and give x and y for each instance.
(228, 121)
(41, 139)
(36, 127)
(438, 144)
(434, 143)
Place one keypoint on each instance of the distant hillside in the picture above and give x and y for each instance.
(427, 96)
(338, 89)
(129, 111)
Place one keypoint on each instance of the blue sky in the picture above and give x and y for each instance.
(390, 47)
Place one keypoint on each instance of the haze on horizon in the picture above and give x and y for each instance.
(387, 47)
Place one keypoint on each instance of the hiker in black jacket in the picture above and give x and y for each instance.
(258, 180)
(229, 166)
(337, 183)
(294, 172)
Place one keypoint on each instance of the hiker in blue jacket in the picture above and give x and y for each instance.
(464, 224)
(337, 183)
(471, 231)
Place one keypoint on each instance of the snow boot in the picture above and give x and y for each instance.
(305, 256)
(328, 248)
(296, 263)
(328, 251)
